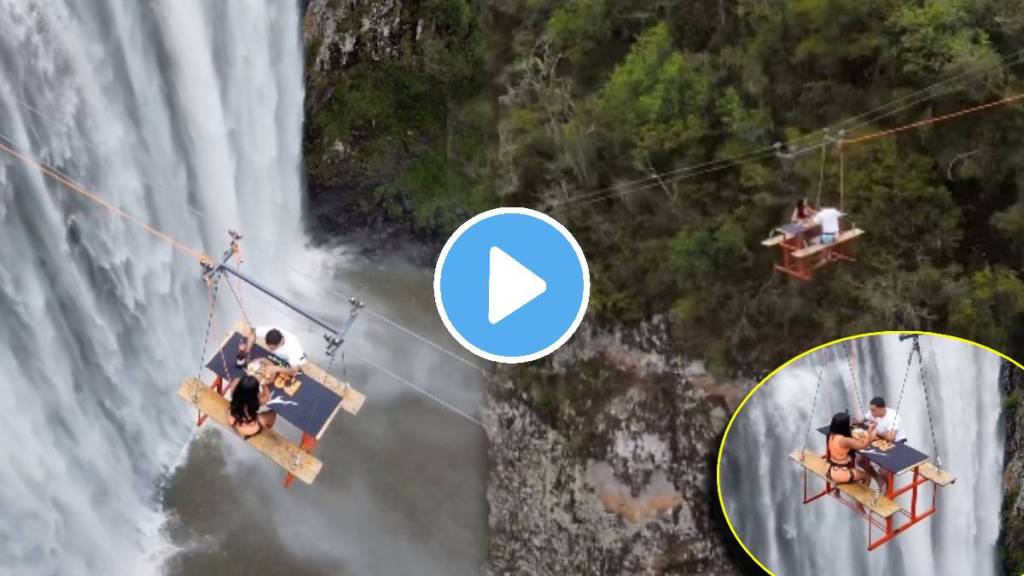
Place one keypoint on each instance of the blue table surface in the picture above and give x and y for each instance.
(310, 409)
(896, 459)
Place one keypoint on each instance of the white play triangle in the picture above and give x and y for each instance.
(510, 286)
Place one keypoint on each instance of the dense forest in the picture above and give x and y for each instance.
(672, 136)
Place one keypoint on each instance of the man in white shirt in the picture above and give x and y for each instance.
(285, 349)
(888, 426)
(828, 219)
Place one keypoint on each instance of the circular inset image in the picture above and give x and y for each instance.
(877, 454)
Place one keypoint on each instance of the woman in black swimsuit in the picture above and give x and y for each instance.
(245, 405)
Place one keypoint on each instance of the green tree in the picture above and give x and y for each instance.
(897, 197)
(993, 309)
(938, 38)
(657, 100)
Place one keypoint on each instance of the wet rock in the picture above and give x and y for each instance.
(615, 478)
(1012, 536)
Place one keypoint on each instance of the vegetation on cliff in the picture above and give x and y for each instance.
(647, 127)
(576, 106)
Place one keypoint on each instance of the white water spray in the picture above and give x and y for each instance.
(158, 107)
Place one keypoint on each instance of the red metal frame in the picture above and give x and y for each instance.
(803, 268)
(889, 528)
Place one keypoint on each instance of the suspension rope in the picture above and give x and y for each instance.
(814, 403)
(78, 188)
(238, 264)
(936, 119)
(238, 300)
(821, 177)
(211, 291)
(915, 349)
(739, 160)
(842, 175)
(74, 186)
(853, 377)
(928, 406)
(421, 390)
(320, 390)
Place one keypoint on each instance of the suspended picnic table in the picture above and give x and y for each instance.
(310, 404)
(802, 249)
(309, 401)
(897, 460)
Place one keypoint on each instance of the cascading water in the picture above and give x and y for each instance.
(762, 488)
(158, 106)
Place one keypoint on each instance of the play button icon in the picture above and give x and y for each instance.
(511, 285)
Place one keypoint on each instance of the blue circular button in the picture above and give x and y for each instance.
(511, 285)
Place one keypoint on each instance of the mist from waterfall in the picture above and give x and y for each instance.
(188, 115)
(762, 487)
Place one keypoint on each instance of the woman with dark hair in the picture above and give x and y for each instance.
(842, 450)
(244, 413)
(802, 212)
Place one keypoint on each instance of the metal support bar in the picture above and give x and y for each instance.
(335, 336)
(269, 292)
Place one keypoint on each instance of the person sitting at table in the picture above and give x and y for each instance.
(284, 347)
(802, 212)
(828, 219)
(887, 427)
(247, 413)
(842, 451)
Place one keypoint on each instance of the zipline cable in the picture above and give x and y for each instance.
(936, 119)
(411, 385)
(80, 189)
(1007, 62)
(71, 184)
(859, 139)
(420, 389)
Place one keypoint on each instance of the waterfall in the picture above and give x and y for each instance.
(762, 487)
(188, 115)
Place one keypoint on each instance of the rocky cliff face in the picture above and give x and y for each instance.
(341, 37)
(603, 458)
(398, 120)
(1013, 504)
(603, 462)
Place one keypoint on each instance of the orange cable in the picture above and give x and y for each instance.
(76, 187)
(934, 120)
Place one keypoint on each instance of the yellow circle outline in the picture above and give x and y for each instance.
(721, 447)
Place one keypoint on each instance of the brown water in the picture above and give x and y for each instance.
(403, 485)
